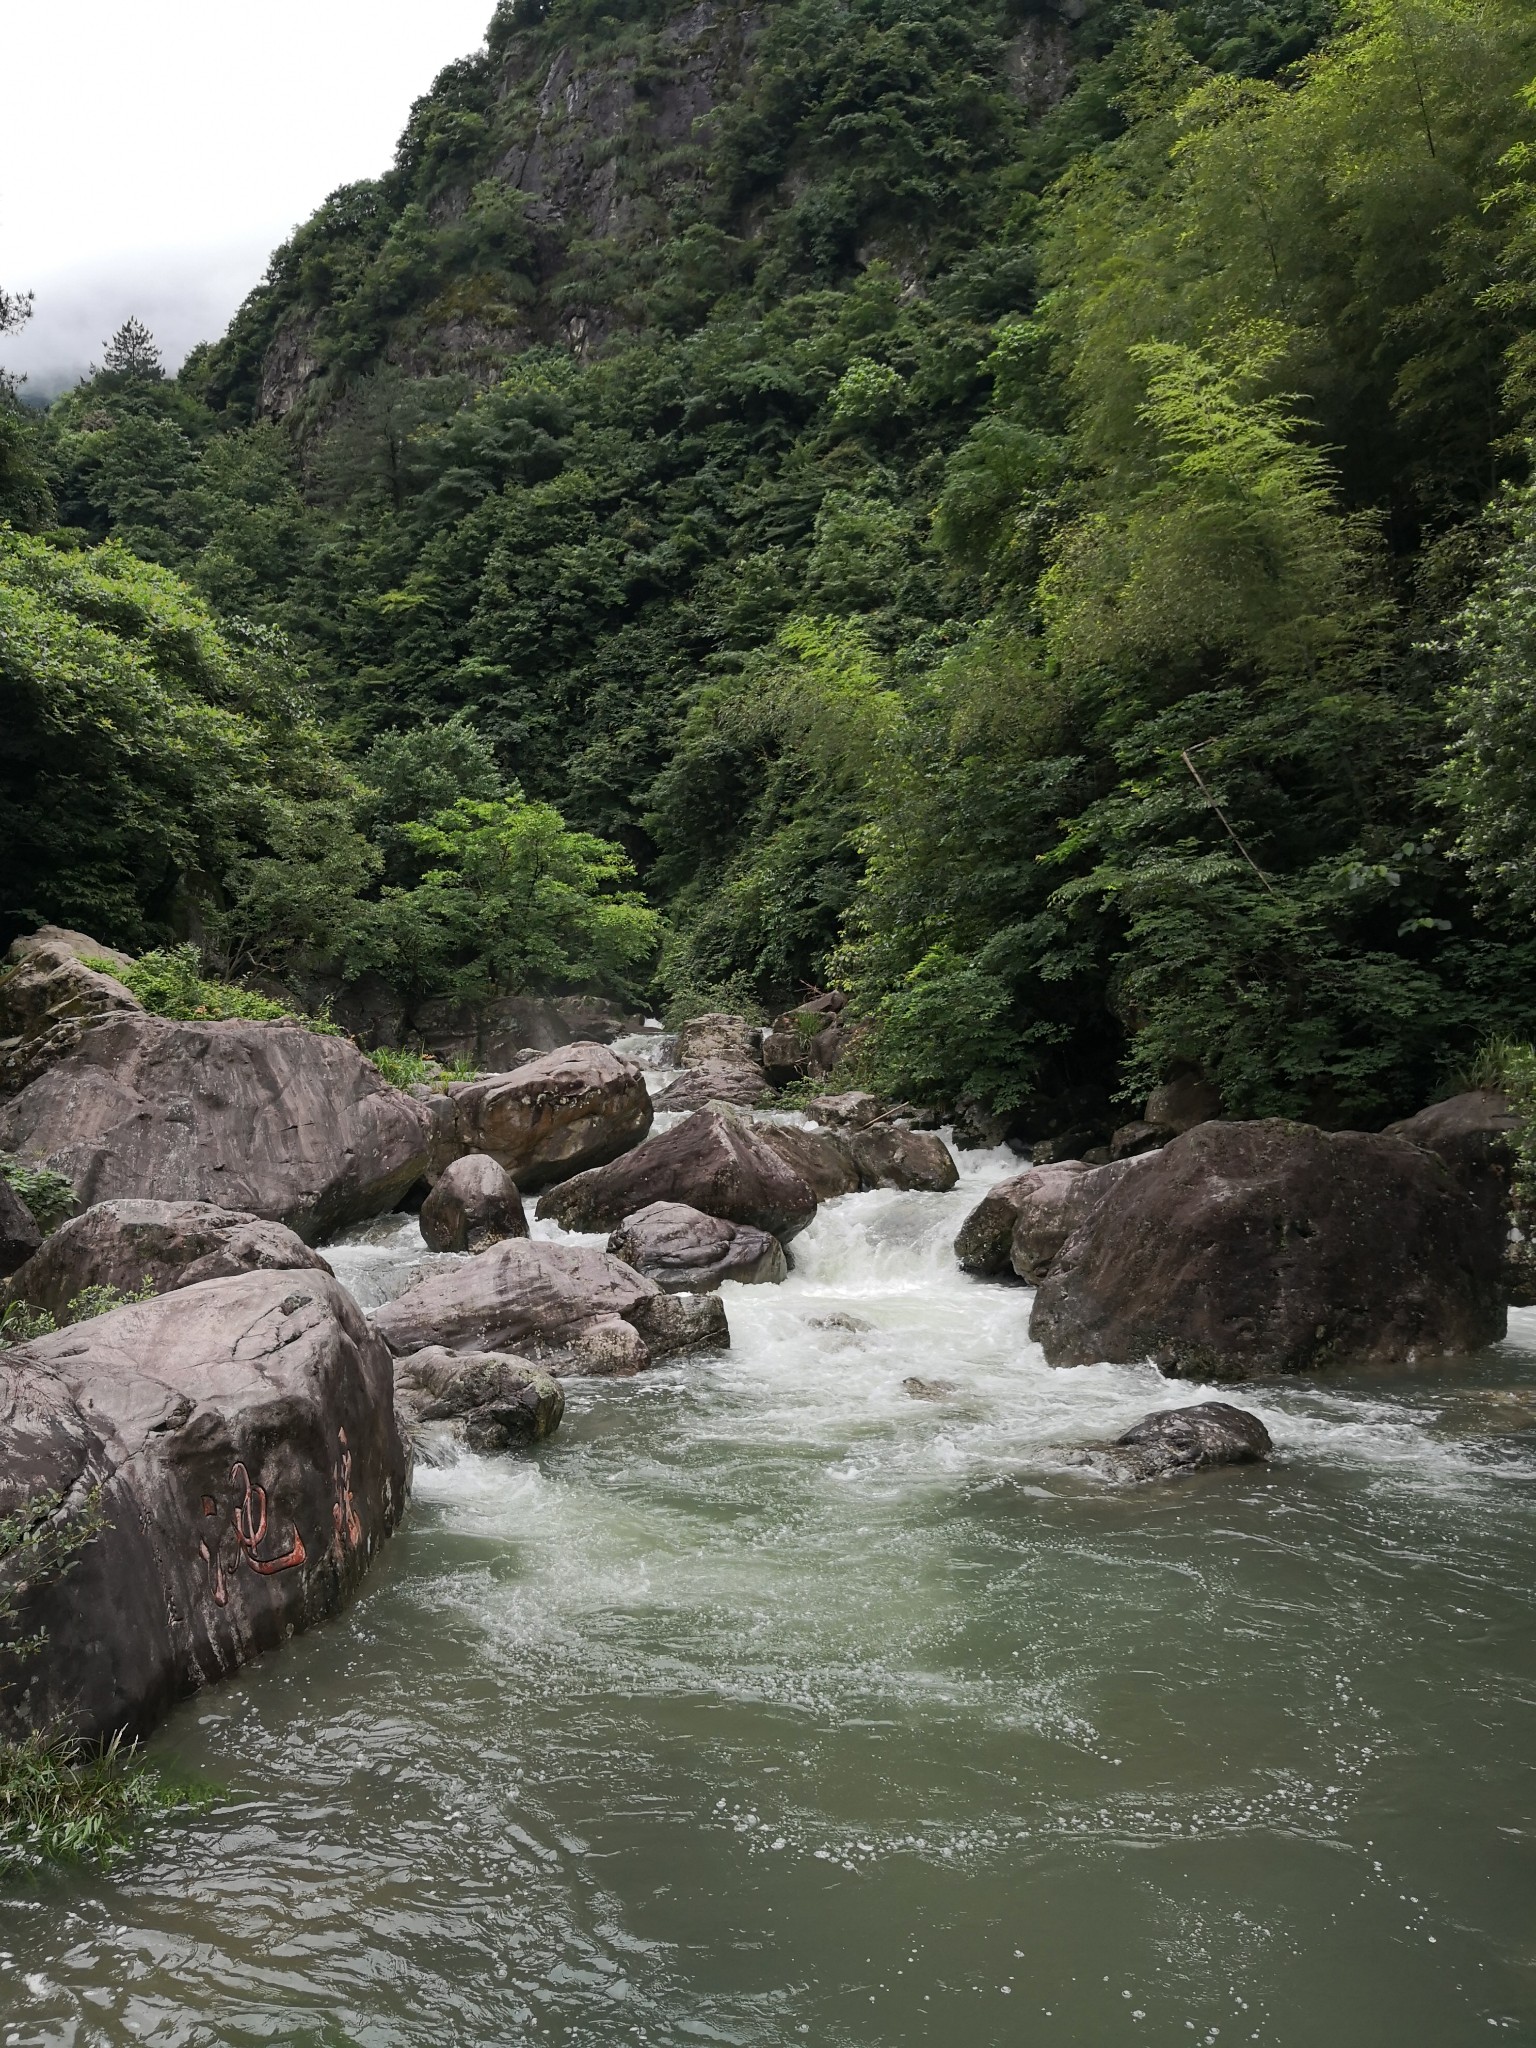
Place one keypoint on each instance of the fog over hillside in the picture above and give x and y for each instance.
(170, 197)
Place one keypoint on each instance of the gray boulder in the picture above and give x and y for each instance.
(19, 1234)
(715, 1160)
(49, 999)
(496, 1402)
(888, 1156)
(1179, 1104)
(237, 1442)
(800, 1052)
(1178, 1441)
(1060, 1202)
(125, 1244)
(714, 1081)
(821, 1158)
(555, 1116)
(1247, 1248)
(985, 1240)
(576, 1310)
(269, 1118)
(685, 1251)
(719, 1039)
(474, 1205)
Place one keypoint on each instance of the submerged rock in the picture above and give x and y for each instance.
(238, 1441)
(498, 1401)
(929, 1390)
(474, 1205)
(165, 1245)
(269, 1118)
(576, 1310)
(1246, 1248)
(716, 1160)
(685, 1251)
(556, 1116)
(1180, 1440)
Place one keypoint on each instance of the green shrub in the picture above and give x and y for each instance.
(63, 1801)
(48, 1195)
(170, 983)
(408, 1068)
(21, 1321)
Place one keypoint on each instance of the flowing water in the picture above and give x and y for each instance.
(773, 1704)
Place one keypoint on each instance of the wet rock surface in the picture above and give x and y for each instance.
(1246, 1248)
(1177, 1441)
(887, 1156)
(269, 1118)
(716, 1160)
(166, 1245)
(719, 1038)
(556, 1116)
(238, 1441)
(685, 1251)
(985, 1238)
(576, 1310)
(497, 1401)
(474, 1205)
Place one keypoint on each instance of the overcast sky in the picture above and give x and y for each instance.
(152, 155)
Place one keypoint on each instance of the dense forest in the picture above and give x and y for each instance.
(1024, 514)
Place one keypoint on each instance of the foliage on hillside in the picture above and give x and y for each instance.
(1035, 562)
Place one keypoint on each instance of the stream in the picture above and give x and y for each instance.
(770, 1704)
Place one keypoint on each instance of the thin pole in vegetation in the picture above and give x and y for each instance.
(1184, 756)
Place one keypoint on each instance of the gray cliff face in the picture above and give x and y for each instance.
(603, 145)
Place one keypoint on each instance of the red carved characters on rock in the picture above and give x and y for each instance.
(349, 1528)
(249, 1522)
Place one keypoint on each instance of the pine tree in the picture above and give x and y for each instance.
(132, 352)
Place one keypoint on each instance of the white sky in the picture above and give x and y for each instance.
(154, 152)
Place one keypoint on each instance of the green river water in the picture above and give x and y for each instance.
(769, 1705)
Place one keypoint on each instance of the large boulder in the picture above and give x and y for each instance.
(164, 1245)
(985, 1238)
(801, 1053)
(495, 1402)
(889, 1156)
(1177, 1441)
(718, 1039)
(821, 1158)
(1059, 1203)
(474, 1205)
(555, 1116)
(19, 1234)
(576, 1310)
(236, 1441)
(1181, 1102)
(1246, 1248)
(686, 1252)
(715, 1160)
(49, 999)
(495, 1033)
(1475, 1134)
(286, 1123)
(715, 1081)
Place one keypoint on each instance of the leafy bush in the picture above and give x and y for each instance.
(410, 1069)
(170, 982)
(48, 1195)
(21, 1321)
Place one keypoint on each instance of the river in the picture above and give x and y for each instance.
(770, 1704)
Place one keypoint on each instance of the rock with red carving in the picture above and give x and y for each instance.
(556, 1116)
(575, 1310)
(217, 1469)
